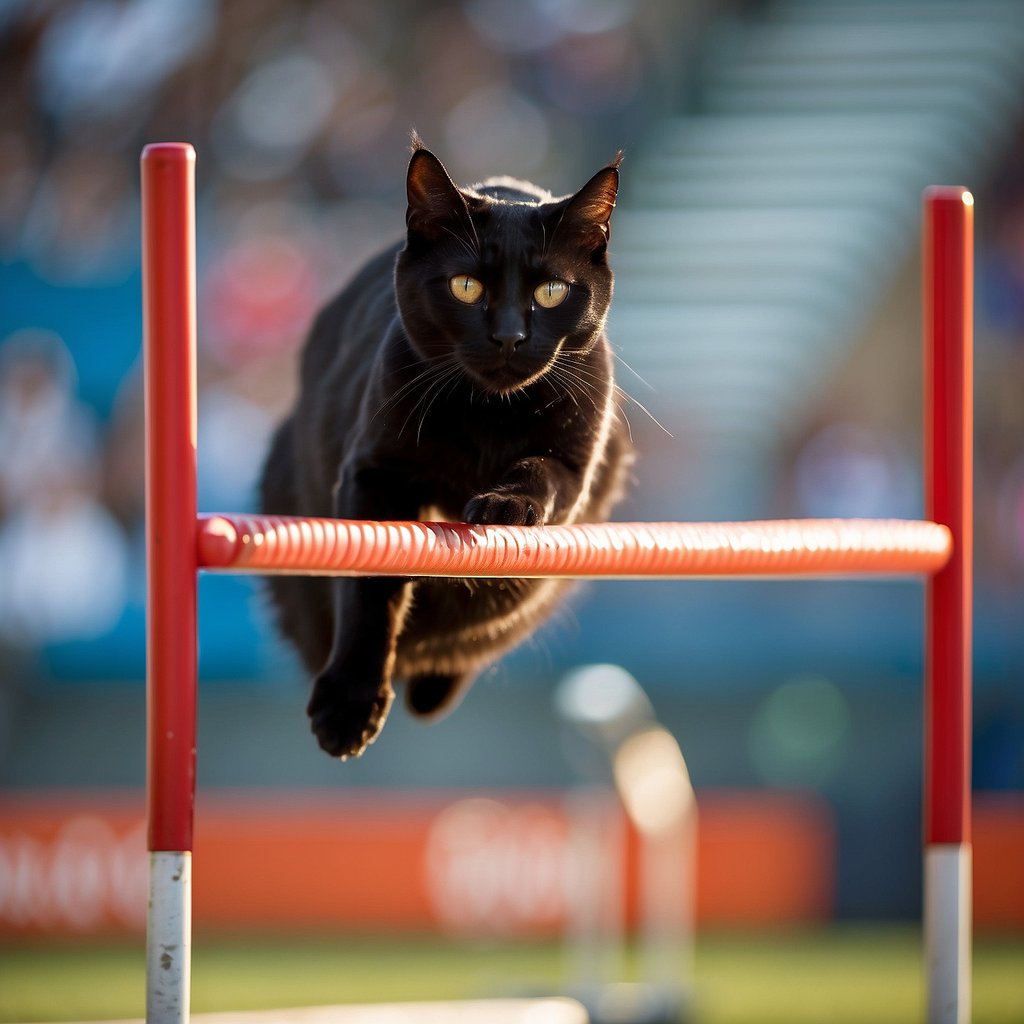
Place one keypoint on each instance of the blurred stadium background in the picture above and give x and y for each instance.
(766, 316)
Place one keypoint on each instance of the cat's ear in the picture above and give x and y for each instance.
(588, 213)
(434, 198)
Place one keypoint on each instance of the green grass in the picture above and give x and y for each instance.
(838, 975)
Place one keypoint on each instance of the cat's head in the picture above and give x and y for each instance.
(503, 277)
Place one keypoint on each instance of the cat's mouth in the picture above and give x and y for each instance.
(505, 375)
(507, 381)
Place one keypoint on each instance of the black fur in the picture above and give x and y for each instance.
(414, 404)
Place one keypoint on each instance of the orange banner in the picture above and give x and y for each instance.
(494, 864)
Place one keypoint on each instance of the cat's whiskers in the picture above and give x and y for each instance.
(427, 379)
(438, 380)
(591, 383)
(554, 234)
(451, 373)
(419, 401)
(583, 371)
(429, 371)
(447, 384)
(643, 380)
(624, 394)
(565, 382)
(472, 227)
(472, 249)
(428, 375)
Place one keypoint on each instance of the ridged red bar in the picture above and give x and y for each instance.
(169, 325)
(807, 547)
(949, 438)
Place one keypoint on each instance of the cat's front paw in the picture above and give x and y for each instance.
(346, 720)
(494, 509)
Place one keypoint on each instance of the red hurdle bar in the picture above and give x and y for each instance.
(179, 543)
(947, 292)
(290, 545)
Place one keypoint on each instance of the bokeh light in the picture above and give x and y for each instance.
(799, 732)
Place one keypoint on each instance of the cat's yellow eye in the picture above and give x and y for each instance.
(466, 289)
(551, 293)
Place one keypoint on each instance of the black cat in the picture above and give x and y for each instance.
(463, 375)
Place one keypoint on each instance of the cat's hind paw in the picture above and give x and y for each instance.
(496, 509)
(433, 695)
(346, 722)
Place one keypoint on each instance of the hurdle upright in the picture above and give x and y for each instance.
(169, 326)
(947, 308)
(180, 543)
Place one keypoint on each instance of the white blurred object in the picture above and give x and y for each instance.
(609, 707)
(64, 566)
(106, 55)
(279, 108)
(45, 432)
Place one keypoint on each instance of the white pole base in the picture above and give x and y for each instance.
(169, 938)
(947, 932)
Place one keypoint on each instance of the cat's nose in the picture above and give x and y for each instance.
(508, 341)
(508, 330)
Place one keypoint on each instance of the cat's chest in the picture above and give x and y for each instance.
(486, 443)
(472, 446)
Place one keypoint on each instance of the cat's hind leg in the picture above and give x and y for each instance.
(302, 603)
(434, 694)
(352, 694)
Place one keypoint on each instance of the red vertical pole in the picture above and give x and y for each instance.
(169, 323)
(949, 437)
(949, 473)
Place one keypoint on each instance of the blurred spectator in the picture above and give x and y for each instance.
(81, 223)
(17, 181)
(62, 556)
(107, 57)
(63, 560)
(46, 435)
